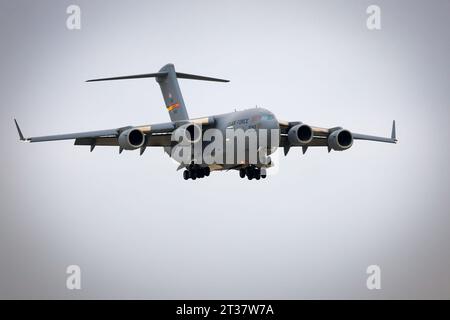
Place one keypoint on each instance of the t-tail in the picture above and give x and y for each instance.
(167, 78)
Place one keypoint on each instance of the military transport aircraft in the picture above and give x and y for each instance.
(288, 133)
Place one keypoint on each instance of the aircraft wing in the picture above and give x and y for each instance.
(156, 135)
(326, 137)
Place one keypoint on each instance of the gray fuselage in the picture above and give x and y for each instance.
(261, 121)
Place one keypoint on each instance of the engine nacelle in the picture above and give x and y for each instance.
(188, 133)
(340, 140)
(300, 134)
(131, 139)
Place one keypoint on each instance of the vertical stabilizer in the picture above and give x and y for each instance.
(168, 81)
(172, 93)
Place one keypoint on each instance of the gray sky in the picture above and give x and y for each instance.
(138, 230)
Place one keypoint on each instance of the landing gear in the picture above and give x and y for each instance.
(263, 173)
(194, 171)
(253, 172)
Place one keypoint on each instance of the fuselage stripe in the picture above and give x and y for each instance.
(173, 106)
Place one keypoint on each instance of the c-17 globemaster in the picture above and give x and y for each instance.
(269, 131)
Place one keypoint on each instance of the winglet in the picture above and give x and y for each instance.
(19, 131)
(393, 132)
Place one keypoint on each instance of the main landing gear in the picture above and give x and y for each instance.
(253, 172)
(194, 171)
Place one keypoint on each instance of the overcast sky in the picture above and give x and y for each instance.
(310, 230)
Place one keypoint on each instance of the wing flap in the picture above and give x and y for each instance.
(157, 140)
(79, 135)
(108, 141)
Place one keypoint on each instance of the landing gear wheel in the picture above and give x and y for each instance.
(252, 172)
(194, 171)
(263, 173)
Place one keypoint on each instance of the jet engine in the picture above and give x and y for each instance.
(300, 134)
(341, 139)
(190, 133)
(131, 139)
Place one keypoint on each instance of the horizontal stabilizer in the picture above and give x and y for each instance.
(136, 76)
(161, 75)
(195, 77)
